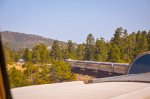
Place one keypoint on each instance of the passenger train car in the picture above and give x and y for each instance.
(120, 68)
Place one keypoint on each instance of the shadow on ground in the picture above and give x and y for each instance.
(93, 73)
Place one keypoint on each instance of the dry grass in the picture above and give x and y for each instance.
(16, 65)
(84, 78)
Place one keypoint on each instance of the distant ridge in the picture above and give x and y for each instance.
(18, 40)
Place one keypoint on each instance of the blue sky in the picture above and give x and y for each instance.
(74, 19)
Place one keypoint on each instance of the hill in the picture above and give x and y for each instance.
(18, 40)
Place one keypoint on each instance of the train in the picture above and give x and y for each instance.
(120, 68)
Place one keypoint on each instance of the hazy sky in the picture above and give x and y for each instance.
(74, 19)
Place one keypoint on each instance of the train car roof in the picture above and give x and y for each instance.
(79, 90)
(96, 62)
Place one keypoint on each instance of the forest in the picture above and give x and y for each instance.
(123, 47)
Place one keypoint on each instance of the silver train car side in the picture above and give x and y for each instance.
(120, 68)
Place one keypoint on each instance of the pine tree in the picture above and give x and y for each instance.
(71, 50)
(65, 53)
(61, 71)
(123, 45)
(101, 53)
(114, 53)
(44, 54)
(130, 47)
(141, 43)
(56, 53)
(27, 55)
(89, 47)
(117, 36)
(17, 78)
(144, 41)
(80, 51)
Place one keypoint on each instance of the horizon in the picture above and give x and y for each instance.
(68, 39)
(66, 20)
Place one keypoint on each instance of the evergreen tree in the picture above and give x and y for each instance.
(44, 75)
(114, 53)
(56, 53)
(80, 51)
(60, 71)
(27, 55)
(101, 53)
(71, 50)
(65, 53)
(36, 54)
(32, 72)
(17, 78)
(11, 55)
(123, 46)
(118, 46)
(130, 48)
(144, 41)
(44, 53)
(117, 36)
(89, 48)
(40, 54)
(141, 43)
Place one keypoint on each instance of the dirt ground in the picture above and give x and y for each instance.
(85, 78)
(16, 65)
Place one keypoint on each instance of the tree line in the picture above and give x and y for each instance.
(122, 47)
